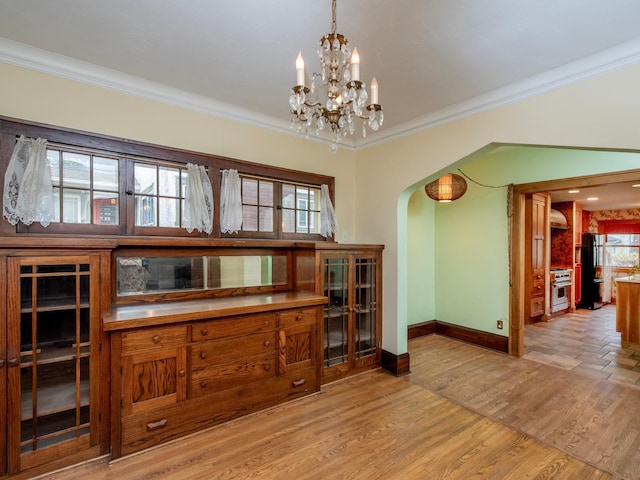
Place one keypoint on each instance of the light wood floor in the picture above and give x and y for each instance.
(463, 413)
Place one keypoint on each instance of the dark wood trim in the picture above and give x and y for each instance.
(468, 335)
(422, 329)
(397, 365)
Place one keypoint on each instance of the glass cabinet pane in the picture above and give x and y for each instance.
(336, 289)
(55, 353)
(365, 328)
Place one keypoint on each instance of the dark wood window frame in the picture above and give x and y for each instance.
(11, 128)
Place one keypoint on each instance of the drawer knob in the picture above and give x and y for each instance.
(156, 339)
(266, 367)
(298, 317)
(13, 362)
(155, 425)
(203, 355)
(181, 373)
(203, 384)
(267, 343)
(204, 332)
(297, 383)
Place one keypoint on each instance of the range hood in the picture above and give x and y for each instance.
(558, 220)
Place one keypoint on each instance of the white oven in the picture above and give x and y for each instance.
(560, 289)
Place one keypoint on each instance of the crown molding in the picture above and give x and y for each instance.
(25, 56)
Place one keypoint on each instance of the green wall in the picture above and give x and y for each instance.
(469, 259)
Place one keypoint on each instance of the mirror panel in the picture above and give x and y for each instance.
(148, 275)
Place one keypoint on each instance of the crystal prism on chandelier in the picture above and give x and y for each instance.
(342, 97)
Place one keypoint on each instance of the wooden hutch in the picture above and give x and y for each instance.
(118, 342)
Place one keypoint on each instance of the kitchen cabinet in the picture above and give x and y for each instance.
(351, 279)
(53, 374)
(536, 207)
(216, 360)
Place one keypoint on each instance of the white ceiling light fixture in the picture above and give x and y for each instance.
(342, 97)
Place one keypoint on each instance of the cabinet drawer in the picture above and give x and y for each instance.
(233, 327)
(230, 362)
(537, 288)
(537, 306)
(153, 337)
(297, 317)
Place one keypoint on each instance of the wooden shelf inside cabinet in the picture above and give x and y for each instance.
(53, 355)
(54, 399)
(52, 306)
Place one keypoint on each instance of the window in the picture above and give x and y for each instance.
(257, 205)
(85, 187)
(622, 249)
(269, 203)
(300, 209)
(159, 193)
(110, 186)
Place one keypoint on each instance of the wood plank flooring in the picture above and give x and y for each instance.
(463, 413)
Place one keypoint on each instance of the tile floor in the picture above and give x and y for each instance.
(585, 341)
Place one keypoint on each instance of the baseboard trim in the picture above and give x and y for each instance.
(397, 365)
(466, 334)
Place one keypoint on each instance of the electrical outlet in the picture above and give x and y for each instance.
(500, 325)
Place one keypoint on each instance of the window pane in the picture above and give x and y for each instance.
(288, 221)
(76, 206)
(288, 196)
(105, 208)
(266, 193)
(145, 179)
(145, 211)
(314, 225)
(249, 218)
(622, 256)
(266, 219)
(303, 222)
(53, 158)
(56, 204)
(314, 199)
(76, 170)
(105, 174)
(623, 239)
(169, 212)
(169, 179)
(249, 191)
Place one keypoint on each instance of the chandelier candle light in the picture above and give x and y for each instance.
(346, 95)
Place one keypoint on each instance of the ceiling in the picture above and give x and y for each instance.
(613, 196)
(435, 60)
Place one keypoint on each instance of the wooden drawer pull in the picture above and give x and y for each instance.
(204, 332)
(156, 339)
(181, 373)
(156, 425)
(266, 367)
(267, 343)
(13, 362)
(298, 318)
(203, 355)
(297, 383)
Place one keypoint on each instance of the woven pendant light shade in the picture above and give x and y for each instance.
(447, 188)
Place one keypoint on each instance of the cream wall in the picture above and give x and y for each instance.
(374, 186)
(34, 96)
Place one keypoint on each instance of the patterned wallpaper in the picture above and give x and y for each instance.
(600, 215)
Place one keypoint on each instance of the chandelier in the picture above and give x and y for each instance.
(342, 98)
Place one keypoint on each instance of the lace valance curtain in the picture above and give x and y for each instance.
(198, 208)
(28, 191)
(328, 220)
(230, 202)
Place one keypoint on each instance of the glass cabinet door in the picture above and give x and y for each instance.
(336, 316)
(50, 323)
